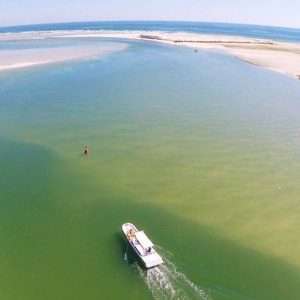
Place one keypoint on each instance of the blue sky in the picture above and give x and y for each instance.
(266, 12)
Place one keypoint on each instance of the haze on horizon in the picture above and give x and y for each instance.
(262, 12)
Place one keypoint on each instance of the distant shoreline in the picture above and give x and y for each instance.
(282, 57)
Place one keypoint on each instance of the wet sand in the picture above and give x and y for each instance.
(22, 58)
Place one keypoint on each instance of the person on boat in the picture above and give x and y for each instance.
(86, 150)
(130, 234)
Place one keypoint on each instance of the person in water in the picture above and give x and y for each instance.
(86, 150)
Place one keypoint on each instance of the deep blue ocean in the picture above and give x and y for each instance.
(255, 31)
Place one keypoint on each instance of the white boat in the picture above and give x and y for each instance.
(141, 245)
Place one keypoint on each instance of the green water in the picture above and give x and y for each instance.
(200, 150)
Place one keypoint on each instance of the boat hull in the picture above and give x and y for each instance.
(141, 246)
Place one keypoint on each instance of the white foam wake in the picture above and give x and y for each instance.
(166, 283)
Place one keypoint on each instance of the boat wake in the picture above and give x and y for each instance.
(166, 283)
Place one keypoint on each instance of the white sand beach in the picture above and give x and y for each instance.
(277, 56)
(22, 58)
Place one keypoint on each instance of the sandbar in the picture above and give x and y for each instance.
(22, 58)
(283, 57)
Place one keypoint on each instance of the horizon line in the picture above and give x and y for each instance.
(146, 21)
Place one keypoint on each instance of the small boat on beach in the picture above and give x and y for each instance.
(142, 246)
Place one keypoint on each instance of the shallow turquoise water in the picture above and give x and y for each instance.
(200, 150)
